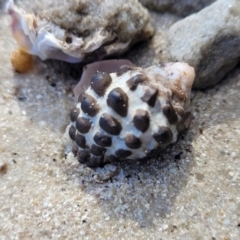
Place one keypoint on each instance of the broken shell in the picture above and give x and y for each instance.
(74, 31)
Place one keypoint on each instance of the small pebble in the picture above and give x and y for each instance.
(3, 168)
(21, 61)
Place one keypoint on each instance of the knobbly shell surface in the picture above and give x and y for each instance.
(89, 70)
(75, 31)
(131, 114)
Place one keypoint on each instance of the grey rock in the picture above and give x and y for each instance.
(2, 5)
(208, 41)
(181, 7)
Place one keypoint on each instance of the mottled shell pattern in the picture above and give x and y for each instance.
(131, 114)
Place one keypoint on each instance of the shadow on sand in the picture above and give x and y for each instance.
(139, 191)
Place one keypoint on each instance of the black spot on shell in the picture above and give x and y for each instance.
(75, 150)
(112, 158)
(110, 124)
(118, 100)
(102, 140)
(72, 132)
(68, 39)
(83, 125)
(170, 114)
(74, 114)
(85, 33)
(83, 156)
(183, 122)
(100, 82)
(153, 152)
(163, 136)
(132, 141)
(123, 69)
(179, 111)
(122, 153)
(150, 96)
(141, 120)
(80, 140)
(88, 104)
(97, 151)
(95, 161)
(133, 82)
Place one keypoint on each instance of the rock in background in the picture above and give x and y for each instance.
(155, 50)
(181, 7)
(208, 41)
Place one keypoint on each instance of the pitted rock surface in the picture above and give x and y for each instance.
(180, 7)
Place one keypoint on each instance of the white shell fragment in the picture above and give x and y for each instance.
(132, 113)
(79, 30)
